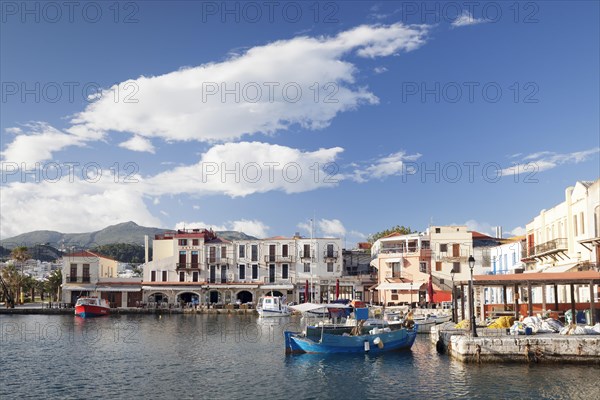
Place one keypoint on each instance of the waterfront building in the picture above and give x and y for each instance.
(358, 272)
(505, 259)
(566, 237)
(89, 274)
(196, 266)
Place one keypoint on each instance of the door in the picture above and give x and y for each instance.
(182, 259)
(212, 254)
(271, 273)
(194, 259)
(223, 274)
(272, 248)
(213, 274)
(456, 250)
(134, 299)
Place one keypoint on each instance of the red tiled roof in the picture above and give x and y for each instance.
(87, 253)
(479, 235)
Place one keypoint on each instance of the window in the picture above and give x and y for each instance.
(254, 250)
(443, 247)
(438, 265)
(212, 254)
(242, 272)
(506, 261)
(183, 242)
(329, 250)
(153, 276)
(423, 267)
(254, 271)
(396, 270)
(329, 267)
(284, 250)
(575, 224)
(306, 252)
(73, 277)
(164, 276)
(306, 267)
(425, 245)
(500, 262)
(514, 257)
(456, 250)
(195, 242)
(456, 267)
(181, 276)
(581, 224)
(242, 251)
(494, 263)
(438, 230)
(285, 271)
(86, 273)
(223, 252)
(195, 276)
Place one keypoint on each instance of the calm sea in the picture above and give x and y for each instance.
(220, 356)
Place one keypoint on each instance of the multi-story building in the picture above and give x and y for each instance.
(89, 274)
(505, 259)
(566, 237)
(403, 264)
(197, 266)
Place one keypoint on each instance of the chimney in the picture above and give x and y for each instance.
(499, 232)
(146, 248)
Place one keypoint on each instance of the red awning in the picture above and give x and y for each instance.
(440, 296)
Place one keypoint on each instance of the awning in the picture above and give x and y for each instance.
(274, 287)
(79, 287)
(119, 288)
(400, 285)
(561, 268)
(392, 260)
(304, 307)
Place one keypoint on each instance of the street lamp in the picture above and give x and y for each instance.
(452, 272)
(472, 300)
(411, 292)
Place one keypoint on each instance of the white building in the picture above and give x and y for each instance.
(197, 266)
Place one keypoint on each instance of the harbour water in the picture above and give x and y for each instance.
(226, 356)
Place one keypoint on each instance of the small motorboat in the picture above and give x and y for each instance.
(272, 306)
(91, 307)
(424, 323)
(344, 339)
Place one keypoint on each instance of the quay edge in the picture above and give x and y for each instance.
(124, 311)
(496, 346)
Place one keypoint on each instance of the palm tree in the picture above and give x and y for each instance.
(20, 255)
(11, 280)
(53, 284)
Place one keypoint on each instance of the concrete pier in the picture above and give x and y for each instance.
(126, 311)
(495, 345)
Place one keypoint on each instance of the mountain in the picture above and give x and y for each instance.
(126, 232)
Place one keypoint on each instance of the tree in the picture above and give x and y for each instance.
(20, 255)
(53, 284)
(11, 279)
(403, 230)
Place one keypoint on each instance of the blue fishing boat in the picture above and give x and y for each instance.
(357, 339)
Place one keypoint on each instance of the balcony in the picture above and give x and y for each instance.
(550, 249)
(398, 275)
(306, 256)
(277, 258)
(330, 256)
(278, 280)
(218, 260)
(181, 266)
(78, 279)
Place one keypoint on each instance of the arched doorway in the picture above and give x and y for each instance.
(244, 296)
(189, 297)
(214, 296)
(158, 298)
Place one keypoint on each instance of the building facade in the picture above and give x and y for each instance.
(199, 267)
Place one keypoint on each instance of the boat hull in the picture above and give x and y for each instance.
(88, 311)
(273, 313)
(402, 339)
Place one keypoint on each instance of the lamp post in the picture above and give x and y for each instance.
(472, 299)
(452, 272)
(411, 292)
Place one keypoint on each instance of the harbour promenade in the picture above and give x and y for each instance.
(497, 346)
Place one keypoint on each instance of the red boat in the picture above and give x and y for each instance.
(91, 307)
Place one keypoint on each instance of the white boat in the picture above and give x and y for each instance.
(272, 306)
(424, 323)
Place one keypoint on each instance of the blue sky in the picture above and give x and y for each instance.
(403, 88)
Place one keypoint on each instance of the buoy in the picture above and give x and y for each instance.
(378, 342)
(367, 346)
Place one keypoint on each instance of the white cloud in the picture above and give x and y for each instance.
(390, 165)
(331, 228)
(37, 143)
(250, 227)
(546, 160)
(241, 169)
(481, 227)
(274, 86)
(466, 19)
(380, 70)
(518, 231)
(50, 205)
(138, 143)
